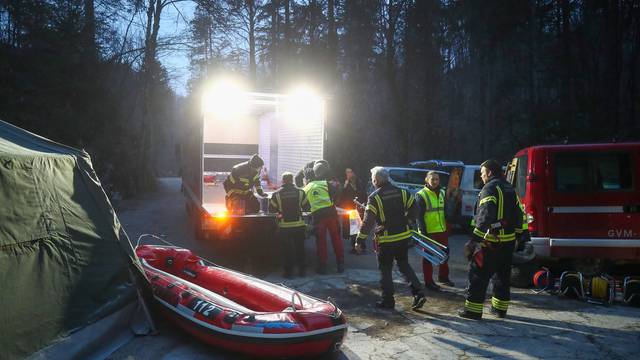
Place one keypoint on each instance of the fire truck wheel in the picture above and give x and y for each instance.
(522, 274)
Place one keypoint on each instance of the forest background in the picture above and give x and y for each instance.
(406, 79)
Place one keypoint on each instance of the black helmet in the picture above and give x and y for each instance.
(321, 169)
(256, 161)
(308, 174)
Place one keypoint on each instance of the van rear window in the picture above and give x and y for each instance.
(477, 180)
(593, 172)
(408, 176)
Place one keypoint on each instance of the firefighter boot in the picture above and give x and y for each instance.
(470, 315)
(321, 269)
(445, 281)
(418, 301)
(432, 286)
(498, 313)
(386, 304)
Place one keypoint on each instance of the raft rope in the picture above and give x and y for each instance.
(155, 237)
(335, 313)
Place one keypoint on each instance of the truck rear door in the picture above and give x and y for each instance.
(225, 143)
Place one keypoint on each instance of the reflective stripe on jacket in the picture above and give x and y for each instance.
(242, 180)
(498, 213)
(390, 208)
(289, 202)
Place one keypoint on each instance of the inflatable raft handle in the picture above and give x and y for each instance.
(155, 237)
(293, 300)
(335, 307)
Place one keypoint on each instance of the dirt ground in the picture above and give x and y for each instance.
(538, 325)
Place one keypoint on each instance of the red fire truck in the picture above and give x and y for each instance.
(582, 201)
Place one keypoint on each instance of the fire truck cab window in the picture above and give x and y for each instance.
(613, 172)
(521, 176)
(593, 172)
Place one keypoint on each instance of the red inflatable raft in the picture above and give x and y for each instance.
(239, 312)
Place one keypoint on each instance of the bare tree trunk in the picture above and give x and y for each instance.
(275, 5)
(287, 26)
(393, 13)
(89, 29)
(532, 76)
(634, 100)
(149, 74)
(333, 40)
(567, 78)
(251, 11)
(615, 71)
(285, 59)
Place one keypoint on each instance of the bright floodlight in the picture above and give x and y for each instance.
(225, 99)
(303, 106)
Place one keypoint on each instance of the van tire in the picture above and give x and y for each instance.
(522, 274)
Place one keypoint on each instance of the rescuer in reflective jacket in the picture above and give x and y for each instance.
(432, 222)
(239, 186)
(306, 174)
(522, 234)
(497, 217)
(289, 202)
(322, 195)
(391, 209)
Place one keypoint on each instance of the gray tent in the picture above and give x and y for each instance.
(65, 288)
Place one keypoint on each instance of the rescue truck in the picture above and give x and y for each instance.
(286, 130)
(582, 202)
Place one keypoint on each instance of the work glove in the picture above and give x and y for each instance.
(410, 243)
(519, 242)
(470, 247)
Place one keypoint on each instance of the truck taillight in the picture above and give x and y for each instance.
(531, 217)
(220, 215)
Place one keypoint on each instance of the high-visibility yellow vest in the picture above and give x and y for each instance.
(318, 195)
(434, 210)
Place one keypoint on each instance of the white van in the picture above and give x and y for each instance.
(463, 189)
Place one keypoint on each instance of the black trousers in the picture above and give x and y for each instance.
(242, 204)
(491, 259)
(398, 251)
(292, 241)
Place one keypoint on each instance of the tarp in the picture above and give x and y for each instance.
(64, 262)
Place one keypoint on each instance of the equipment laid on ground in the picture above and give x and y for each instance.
(431, 250)
(601, 289)
(631, 290)
(239, 312)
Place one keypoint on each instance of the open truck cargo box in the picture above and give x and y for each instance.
(215, 144)
(64, 263)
